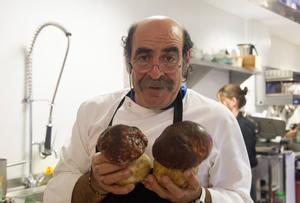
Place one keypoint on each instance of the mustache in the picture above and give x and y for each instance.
(162, 82)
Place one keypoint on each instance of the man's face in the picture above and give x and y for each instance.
(156, 42)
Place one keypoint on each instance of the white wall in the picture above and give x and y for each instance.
(95, 63)
(284, 55)
(94, 66)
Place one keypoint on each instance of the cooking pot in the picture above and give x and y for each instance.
(247, 49)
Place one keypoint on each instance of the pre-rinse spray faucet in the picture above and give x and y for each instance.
(45, 148)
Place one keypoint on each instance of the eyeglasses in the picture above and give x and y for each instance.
(166, 67)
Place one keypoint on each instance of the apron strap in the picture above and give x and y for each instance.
(120, 104)
(177, 117)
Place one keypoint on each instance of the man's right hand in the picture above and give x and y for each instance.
(105, 176)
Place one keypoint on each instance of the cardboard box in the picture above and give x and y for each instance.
(249, 62)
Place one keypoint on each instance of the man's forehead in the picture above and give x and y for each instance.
(158, 32)
(166, 24)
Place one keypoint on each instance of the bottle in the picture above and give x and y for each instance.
(280, 197)
(29, 200)
(298, 137)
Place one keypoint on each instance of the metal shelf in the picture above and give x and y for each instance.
(282, 80)
(278, 75)
(276, 96)
(236, 74)
(282, 99)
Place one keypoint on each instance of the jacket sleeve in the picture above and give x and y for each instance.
(73, 163)
(230, 173)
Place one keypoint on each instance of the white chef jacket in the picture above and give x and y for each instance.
(226, 172)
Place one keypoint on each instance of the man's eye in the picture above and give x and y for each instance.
(142, 59)
(169, 59)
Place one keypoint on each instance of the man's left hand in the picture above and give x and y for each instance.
(172, 192)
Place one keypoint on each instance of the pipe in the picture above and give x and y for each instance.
(16, 163)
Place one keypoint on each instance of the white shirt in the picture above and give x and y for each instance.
(226, 172)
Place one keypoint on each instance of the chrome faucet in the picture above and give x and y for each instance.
(45, 148)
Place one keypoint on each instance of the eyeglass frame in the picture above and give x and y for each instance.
(150, 66)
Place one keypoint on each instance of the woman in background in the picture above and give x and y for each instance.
(233, 97)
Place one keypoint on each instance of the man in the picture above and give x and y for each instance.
(157, 53)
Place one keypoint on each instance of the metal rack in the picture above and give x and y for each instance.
(278, 172)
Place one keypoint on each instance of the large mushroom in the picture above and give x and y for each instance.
(181, 146)
(125, 145)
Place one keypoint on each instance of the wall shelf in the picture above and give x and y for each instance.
(282, 99)
(236, 74)
(271, 89)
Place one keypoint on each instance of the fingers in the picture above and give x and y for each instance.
(107, 175)
(151, 184)
(175, 192)
(171, 191)
(102, 166)
(108, 182)
(115, 177)
(106, 168)
(192, 180)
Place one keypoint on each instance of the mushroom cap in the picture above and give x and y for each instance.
(182, 145)
(122, 144)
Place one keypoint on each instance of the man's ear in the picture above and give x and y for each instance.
(128, 68)
(188, 57)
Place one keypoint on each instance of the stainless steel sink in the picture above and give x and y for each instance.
(32, 195)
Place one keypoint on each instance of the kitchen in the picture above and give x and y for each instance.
(96, 28)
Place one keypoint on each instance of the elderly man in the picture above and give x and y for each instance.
(157, 53)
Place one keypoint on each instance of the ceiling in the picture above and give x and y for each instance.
(262, 11)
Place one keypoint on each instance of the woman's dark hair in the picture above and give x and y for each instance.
(234, 90)
(127, 45)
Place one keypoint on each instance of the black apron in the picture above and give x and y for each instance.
(140, 193)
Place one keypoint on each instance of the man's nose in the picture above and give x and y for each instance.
(155, 72)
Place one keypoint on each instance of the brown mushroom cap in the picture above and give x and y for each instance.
(121, 144)
(183, 145)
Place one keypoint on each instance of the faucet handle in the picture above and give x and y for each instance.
(29, 181)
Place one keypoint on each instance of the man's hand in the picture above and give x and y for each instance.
(106, 175)
(172, 192)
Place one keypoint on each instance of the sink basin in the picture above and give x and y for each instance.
(29, 195)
